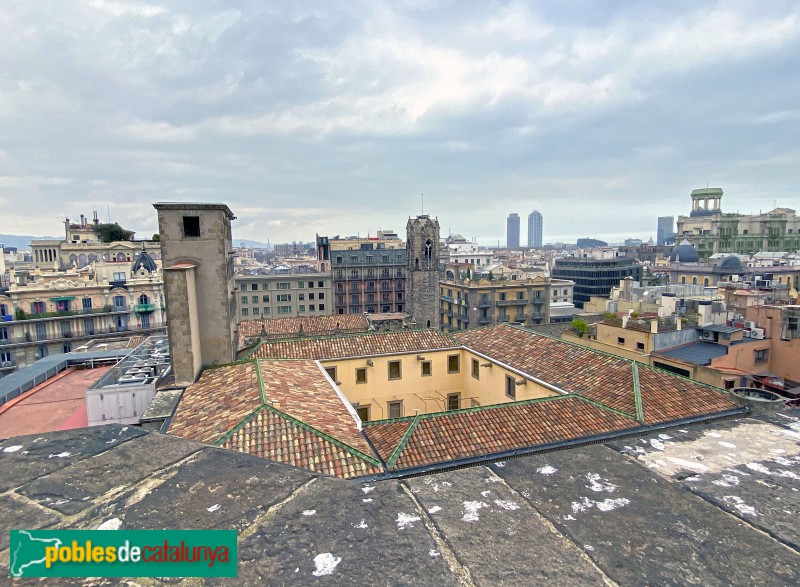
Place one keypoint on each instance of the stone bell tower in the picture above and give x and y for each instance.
(422, 244)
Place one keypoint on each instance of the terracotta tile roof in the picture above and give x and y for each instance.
(386, 436)
(356, 345)
(666, 397)
(301, 389)
(572, 368)
(283, 410)
(308, 325)
(220, 399)
(444, 437)
(273, 436)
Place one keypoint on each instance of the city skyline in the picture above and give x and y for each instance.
(109, 106)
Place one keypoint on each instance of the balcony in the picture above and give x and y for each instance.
(118, 283)
(22, 315)
(69, 335)
(511, 302)
(144, 308)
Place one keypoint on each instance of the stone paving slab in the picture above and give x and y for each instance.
(215, 489)
(71, 489)
(492, 529)
(16, 515)
(344, 533)
(29, 457)
(641, 528)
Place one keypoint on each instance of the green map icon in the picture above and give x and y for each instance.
(27, 552)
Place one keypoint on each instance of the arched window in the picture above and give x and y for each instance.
(143, 299)
(428, 253)
(120, 256)
(705, 282)
(694, 281)
(683, 280)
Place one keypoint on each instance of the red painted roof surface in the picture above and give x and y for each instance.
(57, 404)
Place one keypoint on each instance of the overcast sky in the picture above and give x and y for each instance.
(305, 118)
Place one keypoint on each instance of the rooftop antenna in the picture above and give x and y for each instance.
(108, 212)
(422, 204)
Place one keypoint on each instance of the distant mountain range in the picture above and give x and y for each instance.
(248, 244)
(23, 242)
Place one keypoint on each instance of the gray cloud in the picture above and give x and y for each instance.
(311, 118)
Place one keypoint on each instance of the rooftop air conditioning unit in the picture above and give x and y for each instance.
(748, 333)
(749, 325)
(8, 364)
(707, 335)
(757, 333)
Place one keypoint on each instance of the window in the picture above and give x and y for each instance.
(394, 370)
(319, 284)
(266, 311)
(310, 284)
(245, 312)
(620, 340)
(120, 276)
(453, 364)
(254, 287)
(502, 297)
(761, 355)
(476, 369)
(311, 296)
(284, 297)
(255, 312)
(67, 347)
(729, 384)
(6, 357)
(361, 375)
(322, 307)
(426, 368)
(639, 346)
(301, 284)
(265, 299)
(243, 287)
(311, 307)
(87, 303)
(191, 226)
(395, 409)
(3, 333)
(302, 297)
(331, 371)
(363, 413)
(453, 401)
(265, 286)
(245, 299)
(284, 309)
(254, 299)
(283, 285)
(302, 307)
(511, 387)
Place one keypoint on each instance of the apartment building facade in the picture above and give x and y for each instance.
(46, 313)
(368, 274)
(284, 295)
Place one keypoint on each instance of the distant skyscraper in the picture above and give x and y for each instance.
(666, 230)
(512, 231)
(535, 229)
